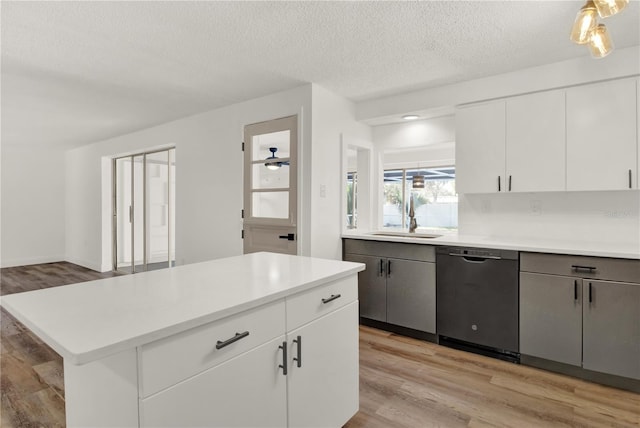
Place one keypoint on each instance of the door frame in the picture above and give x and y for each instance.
(114, 208)
(287, 123)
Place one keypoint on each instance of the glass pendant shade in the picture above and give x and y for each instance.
(600, 43)
(585, 22)
(610, 7)
(418, 182)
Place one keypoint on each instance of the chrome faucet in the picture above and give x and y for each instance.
(413, 224)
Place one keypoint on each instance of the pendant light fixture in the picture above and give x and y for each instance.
(585, 23)
(600, 44)
(586, 29)
(418, 182)
(607, 8)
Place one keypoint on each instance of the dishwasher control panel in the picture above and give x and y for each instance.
(485, 253)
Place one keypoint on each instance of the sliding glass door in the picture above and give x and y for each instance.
(144, 211)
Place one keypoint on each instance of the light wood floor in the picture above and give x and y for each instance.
(403, 382)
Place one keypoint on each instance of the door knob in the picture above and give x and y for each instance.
(290, 237)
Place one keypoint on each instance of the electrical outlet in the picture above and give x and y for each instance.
(536, 207)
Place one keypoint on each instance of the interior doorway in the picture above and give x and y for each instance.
(270, 186)
(144, 211)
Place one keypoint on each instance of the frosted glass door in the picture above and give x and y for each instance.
(144, 211)
(157, 168)
(123, 215)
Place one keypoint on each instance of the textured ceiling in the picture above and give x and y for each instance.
(78, 72)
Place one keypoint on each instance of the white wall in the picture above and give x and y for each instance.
(415, 134)
(603, 217)
(332, 117)
(208, 180)
(622, 62)
(33, 207)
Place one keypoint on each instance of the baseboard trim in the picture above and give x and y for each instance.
(31, 261)
(87, 264)
(404, 331)
(574, 371)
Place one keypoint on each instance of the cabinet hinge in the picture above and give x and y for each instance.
(241, 213)
(243, 146)
(242, 236)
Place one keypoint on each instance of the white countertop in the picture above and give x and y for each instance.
(618, 250)
(91, 320)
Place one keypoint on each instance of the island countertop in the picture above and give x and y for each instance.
(88, 321)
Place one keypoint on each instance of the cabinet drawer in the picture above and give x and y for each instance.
(624, 270)
(309, 305)
(418, 252)
(168, 361)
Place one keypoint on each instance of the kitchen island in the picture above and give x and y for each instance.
(262, 339)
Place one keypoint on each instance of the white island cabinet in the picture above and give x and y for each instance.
(264, 339)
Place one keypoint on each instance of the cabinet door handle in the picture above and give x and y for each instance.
(575, 289)
(221, 344)
(298, 358)
(381, 267)
(288, 236)
(590, 269)
(330, 299)
(630, 185)
(509, 183)
(283, 366)
(590, 294)
(499, 184)
(389, 269)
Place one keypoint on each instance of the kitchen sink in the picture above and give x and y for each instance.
(407, 234)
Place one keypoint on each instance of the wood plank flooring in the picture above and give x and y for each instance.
(404, 382)
(31, 375)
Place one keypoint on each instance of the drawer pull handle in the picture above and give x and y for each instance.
(298, 358)
(331, 299)
(221, 344)
(283, 366)
(589, 269)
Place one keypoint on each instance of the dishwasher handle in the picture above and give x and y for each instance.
(472, 258)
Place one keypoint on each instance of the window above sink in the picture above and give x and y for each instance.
(433, 191)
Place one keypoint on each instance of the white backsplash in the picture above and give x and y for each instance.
(606, 217)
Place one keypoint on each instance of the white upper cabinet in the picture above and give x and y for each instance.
(480, 148)
(535, 142)
(602, 146)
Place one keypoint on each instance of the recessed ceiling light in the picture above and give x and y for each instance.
(410, 116)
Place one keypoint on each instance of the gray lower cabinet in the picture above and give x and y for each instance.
(398, 284)
(611, 328)
(582, 311)
(372, 286)
(551, 317)
(410, 294)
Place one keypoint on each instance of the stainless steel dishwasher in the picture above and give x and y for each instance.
(477, 300)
